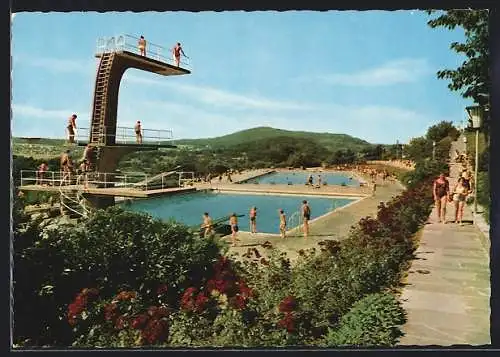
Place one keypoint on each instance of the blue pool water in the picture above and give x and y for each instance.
(189, 208)
(300, 178)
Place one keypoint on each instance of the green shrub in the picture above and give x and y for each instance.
(372, 321)
(111, 251)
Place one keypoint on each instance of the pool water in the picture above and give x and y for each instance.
(189, 208)
(300, 178)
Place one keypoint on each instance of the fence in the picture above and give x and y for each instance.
(126, 135)
(129, 43)
(135, 180)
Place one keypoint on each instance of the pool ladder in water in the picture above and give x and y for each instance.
(294, 220)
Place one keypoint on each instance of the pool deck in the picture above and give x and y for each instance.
(334, 225)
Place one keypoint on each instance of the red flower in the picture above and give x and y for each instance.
(287, 304)
(238, 302)
(155, 331)
(140, 321)
(200, 302)
(187, 302)
(287, 322)
(110, 311)
(245, 291)
(120, 323)
(126, 295)
(162, 289)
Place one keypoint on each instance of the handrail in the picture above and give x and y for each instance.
(126, 42)
(296, 216)
(128, 135)
(57, 177)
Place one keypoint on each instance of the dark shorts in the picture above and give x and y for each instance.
(252, 219)
(235, 228)
(307, 217)
(70, 130)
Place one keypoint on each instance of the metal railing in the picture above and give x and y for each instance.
(79, 200)
(101, 179)
(135, 180)
(125, 135)
(129, 43)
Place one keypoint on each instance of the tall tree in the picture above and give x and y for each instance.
(472, 78)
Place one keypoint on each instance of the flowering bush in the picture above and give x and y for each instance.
(112, 251)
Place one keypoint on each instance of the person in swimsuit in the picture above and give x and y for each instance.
(282, 223)
(310, 180)
(176, 52)
(233, 222)
(138, 132)
(207, 225)
(253, 220)
(306, 216)
(40, 174)
(441, 191)
(71, 127)
(460, 192)
(66, 167)
(142, 46)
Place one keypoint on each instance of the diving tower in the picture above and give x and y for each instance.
(109, 142)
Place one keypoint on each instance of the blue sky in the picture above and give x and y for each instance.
(367, 74)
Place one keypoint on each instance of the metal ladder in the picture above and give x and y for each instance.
(100, 99)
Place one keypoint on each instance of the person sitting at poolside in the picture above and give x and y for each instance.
(207, 225)
(233, 222)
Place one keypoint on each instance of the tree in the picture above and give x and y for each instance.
(441, 130)
(472, 78)
(419, 149)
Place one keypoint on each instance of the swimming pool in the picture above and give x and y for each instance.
(300, 178)
(189, 208)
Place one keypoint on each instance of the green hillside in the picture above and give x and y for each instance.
(330, 141)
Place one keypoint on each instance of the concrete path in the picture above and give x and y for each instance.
(447, 292)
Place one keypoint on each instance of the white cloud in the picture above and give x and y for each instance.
(57, 64)
(42, 113)
(393, 72)
(221, 98)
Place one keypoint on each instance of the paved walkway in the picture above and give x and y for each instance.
(447, 292)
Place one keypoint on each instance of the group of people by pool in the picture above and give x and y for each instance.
(458, 195)
(209, 229)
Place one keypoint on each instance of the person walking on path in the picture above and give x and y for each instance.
(459, 196)
(253, 220)
(138, 132)
(176, 52)
(441, 192)
(306, 216)
(71, 128)
(233, 222)
(141, 44)
(282, 223)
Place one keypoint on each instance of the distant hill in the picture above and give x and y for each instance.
(330, 141)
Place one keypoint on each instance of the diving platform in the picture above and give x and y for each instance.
(126, 136)
(155, 60)
(128, 192)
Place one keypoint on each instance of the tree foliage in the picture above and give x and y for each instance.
(472, 78)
